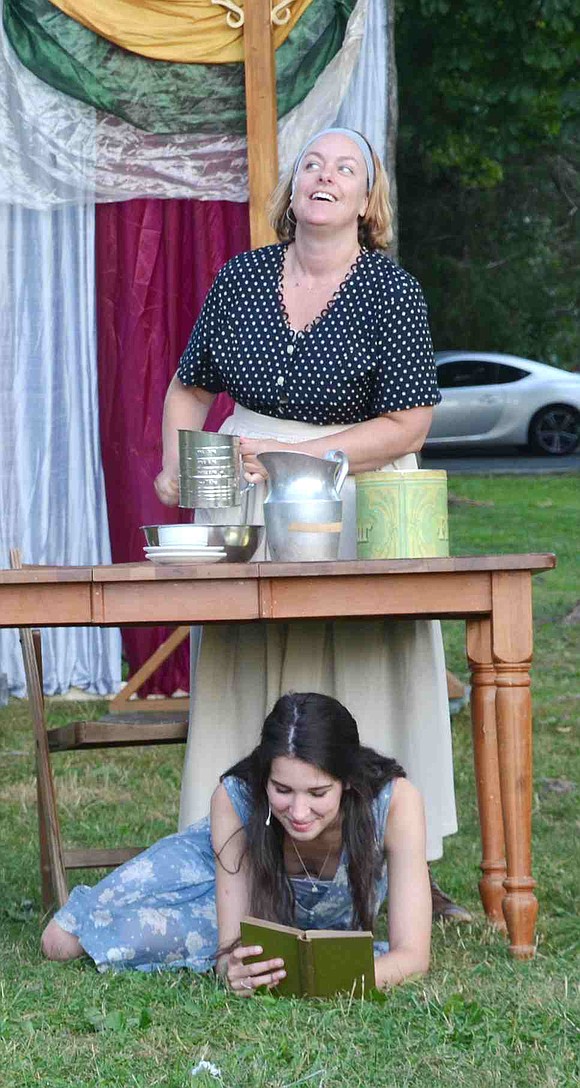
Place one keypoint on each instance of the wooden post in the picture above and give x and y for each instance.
(261, 114)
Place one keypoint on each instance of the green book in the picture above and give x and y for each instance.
(318, 962)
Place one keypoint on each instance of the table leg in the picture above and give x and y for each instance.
(512, 638)
(485, 755)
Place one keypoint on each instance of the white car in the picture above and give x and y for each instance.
(501, 400)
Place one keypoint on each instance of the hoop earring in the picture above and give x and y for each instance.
(291, 218)
(269, 816)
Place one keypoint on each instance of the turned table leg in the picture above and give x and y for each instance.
(485, 755)
(512, 638)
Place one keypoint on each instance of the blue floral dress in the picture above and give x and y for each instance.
(158, 911)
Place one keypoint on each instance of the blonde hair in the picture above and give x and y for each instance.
(375, 228)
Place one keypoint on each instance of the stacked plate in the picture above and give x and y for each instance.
(201, 543)
(184, 553)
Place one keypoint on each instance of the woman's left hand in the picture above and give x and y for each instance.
(254, 471)
(245, 978)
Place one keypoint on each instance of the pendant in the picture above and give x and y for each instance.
(314, 887)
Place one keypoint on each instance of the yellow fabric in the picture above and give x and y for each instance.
(184, 31)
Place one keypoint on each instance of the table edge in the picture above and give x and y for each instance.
(534, 562)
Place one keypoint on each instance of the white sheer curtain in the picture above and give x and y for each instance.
(364, 107)
(52, 499)
(351, 92)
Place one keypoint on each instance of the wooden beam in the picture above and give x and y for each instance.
(122, 700)
(261, 113)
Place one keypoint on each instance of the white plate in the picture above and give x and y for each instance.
(186, 558)
(184, 555)
(183, 550)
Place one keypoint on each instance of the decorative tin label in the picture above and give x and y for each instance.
(402, 515)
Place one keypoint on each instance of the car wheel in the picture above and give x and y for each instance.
(555, 430)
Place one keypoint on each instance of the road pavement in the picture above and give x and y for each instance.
(503, 461)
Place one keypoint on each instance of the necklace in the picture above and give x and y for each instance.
(284, 277)
(297, 274)
(313, 885)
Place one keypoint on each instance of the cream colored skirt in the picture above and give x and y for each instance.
(389, 673)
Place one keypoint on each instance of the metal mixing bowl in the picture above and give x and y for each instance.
(174, 535)
(239, 541)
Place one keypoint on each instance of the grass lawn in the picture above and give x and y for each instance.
(479, 1019)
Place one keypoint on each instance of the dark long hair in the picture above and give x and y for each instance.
(318, 730)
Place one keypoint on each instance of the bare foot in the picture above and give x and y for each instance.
(57, 944)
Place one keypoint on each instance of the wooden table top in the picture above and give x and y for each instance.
(146, 593)
(147, 571)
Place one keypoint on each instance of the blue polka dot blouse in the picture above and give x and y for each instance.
(369, 352)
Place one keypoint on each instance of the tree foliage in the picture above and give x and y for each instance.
(486, 80)
(488, 170)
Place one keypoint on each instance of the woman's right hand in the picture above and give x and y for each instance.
(244, 978)
(167, 487)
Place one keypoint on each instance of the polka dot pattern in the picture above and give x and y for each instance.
(368, 353)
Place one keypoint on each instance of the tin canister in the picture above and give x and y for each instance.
(402, 514)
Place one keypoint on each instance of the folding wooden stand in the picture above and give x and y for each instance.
(110, 731)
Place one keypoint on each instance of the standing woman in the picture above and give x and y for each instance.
(323, 343)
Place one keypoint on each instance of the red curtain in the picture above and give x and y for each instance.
(155, 261)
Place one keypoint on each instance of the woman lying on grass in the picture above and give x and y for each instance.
(308, 830)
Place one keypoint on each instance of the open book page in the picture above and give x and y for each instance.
(342, 962)
(276, 941)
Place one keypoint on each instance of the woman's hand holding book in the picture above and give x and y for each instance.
(244, 978)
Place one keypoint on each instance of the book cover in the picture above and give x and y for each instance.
(318, 962)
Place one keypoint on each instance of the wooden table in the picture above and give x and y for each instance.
(492, 593)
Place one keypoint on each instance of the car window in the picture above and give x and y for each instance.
(466, 372)
(505, 373)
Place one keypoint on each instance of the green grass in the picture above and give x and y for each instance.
(480, 1019)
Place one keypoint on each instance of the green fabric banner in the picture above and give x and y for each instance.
(158, 96)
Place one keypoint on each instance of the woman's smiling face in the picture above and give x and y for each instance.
(331, 183)
(305, 799)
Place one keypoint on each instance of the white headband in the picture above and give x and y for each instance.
(361, 143)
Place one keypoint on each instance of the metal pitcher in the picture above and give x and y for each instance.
(302, 509)
(296, 477)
